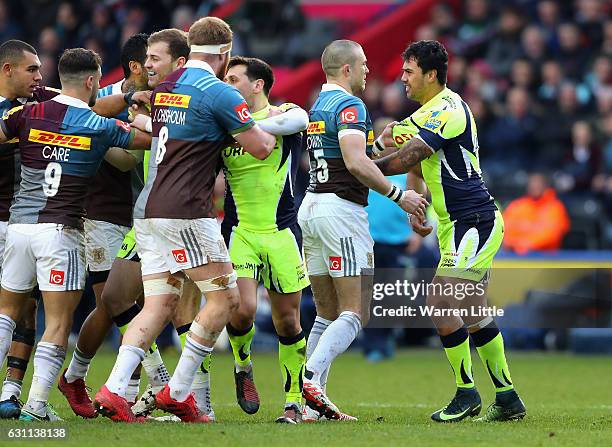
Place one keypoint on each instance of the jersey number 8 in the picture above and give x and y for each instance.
(53, 174)
(162, 139)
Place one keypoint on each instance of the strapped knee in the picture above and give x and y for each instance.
(223, 282)
(169, 286)
(199, 330)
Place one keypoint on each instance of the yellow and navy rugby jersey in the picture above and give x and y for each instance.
(452, 173)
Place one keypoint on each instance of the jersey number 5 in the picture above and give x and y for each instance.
(322, 171)
(162, 139)
(53, 174)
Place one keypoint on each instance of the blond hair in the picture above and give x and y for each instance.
(210, 31)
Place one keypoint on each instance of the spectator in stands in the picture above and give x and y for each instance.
(105, 32)
(534, 46)
(443, 21)
(589, 16)
(606, 46)
(552, 78)
(513, 134)
(549, 18)
(505, 47)
(67, 24)
(522, 75)
(583, 159)
(602, 182)
(457, 70)
(537, 221)
(476, 29)
(9, 29)
(572, 53)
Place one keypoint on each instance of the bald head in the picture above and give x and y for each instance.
(339, 53)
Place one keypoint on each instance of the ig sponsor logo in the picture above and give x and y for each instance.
(180, 256)
(56, 277)
(335, 263)
(243, 113)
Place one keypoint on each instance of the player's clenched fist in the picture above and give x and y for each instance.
(413, 203)
(419, 226)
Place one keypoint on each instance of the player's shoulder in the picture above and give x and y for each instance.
(43, 93)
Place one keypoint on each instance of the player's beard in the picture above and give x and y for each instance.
(92, 98)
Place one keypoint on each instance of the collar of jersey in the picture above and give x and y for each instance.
(70, 101)
(261, 114)
(193, 63)
(330, 87)
(444, 91)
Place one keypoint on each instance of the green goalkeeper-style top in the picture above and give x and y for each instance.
(259, 194)
(452, 173)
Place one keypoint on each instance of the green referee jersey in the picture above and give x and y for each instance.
(259, 193)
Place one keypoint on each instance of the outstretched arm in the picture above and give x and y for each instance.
(405, 158)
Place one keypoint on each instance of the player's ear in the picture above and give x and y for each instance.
(135, 67)
(259, 85)
(89, 82)
(181, 61)
(6, 69)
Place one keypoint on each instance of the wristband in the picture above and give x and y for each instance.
(128, 99)
(378, 147)
(395, 194)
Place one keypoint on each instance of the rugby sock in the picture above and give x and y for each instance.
(131, 392)
(48, 361)
(154, 367)
(241, 346)
(319, 326)
(7, 326)
(11, 387)
(122, 321)
(490, 346)
(78, 367)
(457, 348)
(335, 340)
(292, 359)
(201, 382)
(191, 358)
(16, 365)
(128, 358)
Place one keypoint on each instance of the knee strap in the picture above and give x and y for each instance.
(223, 282)
(168, 286)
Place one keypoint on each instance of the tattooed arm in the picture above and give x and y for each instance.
(405, 158)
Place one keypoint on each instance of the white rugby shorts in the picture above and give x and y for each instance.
(178, 244)
(52, 255)
(335, 236)
(3, 226)
(102, 243)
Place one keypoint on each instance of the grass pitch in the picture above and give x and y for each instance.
(568, 398)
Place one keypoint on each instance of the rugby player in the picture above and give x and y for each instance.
(439, 144)
(62, 142)
(109, 217)
(20, 79)
(193, 115)
(337, 242)
(264, 240)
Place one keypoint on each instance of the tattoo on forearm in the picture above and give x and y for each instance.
(405, 158)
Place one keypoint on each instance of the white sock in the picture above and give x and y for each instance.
(78, 367)
(7, 326)
(182, 380)
(154, 367)
(131, 392)
(48, 361)
(335, 340)
(128, 359)
(11, 387)
(319, 326)
(201, 391)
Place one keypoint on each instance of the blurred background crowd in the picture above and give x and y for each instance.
(537, 75)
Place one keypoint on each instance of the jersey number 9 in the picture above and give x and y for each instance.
(53, 174)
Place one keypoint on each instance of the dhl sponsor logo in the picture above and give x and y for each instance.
(370, 137)
(172, 100)
(316, 127)
(57, 139)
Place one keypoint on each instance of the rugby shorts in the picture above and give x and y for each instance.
(275, 258)
(52, 255)
(468, 245)
(178, 244)
(335, 236)
(103, 241)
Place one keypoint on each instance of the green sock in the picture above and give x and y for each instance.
(490, 346)
(292, 359)
(241, 344)
(457, 348)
